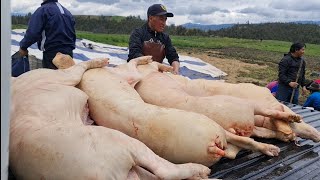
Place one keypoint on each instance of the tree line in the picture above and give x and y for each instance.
(308, 33)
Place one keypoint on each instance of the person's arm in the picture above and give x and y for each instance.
(34, 31)
(135, 45)
(176, 67)
(309, 102)
(172, 56)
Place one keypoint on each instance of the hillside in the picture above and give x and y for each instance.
(309, 33)
(224, 26)
(206, 27)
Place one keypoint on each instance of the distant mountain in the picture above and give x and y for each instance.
(206, 27)
(224, 26)
(307, 22)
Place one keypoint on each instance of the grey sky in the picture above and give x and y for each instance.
(200, 11)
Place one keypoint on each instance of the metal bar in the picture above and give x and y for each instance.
(5, 85)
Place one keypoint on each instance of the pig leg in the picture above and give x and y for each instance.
(262, 124)
(277, 113)
(129, 70)
(232, 151)
(72, 76)
(306, 131)
(248, 143)
(165, 68)
(162, 168)
(139, 173)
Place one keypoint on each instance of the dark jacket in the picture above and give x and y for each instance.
(288, 70)
(52, 27)
(144, 33)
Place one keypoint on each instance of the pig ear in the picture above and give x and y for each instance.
(58, 53)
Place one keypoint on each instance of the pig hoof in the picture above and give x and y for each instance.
(271, 150)
(145, 60)
(98, 63)
(199, 171)
(295, 118)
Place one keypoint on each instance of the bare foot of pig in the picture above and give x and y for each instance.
(143, 60)
(97, 63)
(269, 149)
(165, 68)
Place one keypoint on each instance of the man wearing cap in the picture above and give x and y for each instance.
(292, 74)
(314, 98)
(151, 40)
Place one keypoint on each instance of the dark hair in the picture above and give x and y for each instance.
(297, 46)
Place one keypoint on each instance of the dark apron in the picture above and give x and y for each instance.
(156, 50)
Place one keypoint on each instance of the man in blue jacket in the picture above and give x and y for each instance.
(151, 40)
(53, 28)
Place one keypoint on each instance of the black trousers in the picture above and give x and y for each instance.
(48, 57)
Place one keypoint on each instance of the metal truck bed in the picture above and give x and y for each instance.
(293, 162)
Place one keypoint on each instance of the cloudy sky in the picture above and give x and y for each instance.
(192, 11)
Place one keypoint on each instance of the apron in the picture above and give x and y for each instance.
(156, 50)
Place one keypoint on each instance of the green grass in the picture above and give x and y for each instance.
(207, 43)
(220, 43)
(112, 39)
(18, 26)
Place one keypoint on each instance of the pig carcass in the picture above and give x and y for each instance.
(176, 135)
(279, 129)
(233, 114)
(48, 139)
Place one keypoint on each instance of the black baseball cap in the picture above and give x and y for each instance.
(158, 10)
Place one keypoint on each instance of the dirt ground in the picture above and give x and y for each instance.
(233, 67)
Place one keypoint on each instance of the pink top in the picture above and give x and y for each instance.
(272, 84)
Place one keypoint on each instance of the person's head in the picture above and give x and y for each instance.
(314, 87)
(297, 49)
(157, 17)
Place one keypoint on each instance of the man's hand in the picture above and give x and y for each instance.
(293, 84)
(176, 67)
(23, 52)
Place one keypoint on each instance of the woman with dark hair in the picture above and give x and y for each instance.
(292, 74)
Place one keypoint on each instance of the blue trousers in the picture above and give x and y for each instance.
(284, 93)
(48, 57)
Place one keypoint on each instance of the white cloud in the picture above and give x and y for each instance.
(200, 11)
